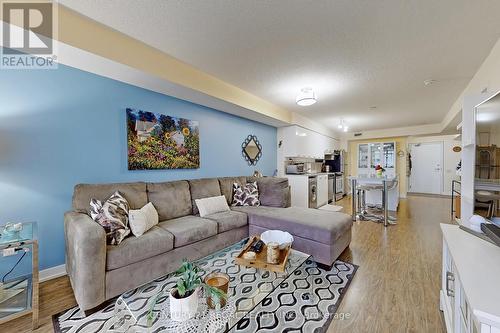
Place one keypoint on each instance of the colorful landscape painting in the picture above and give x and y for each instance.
(158, 141)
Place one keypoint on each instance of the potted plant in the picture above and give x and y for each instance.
(185, 295)
(379, 170)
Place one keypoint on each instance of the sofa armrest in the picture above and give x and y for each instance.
(85, 258)
(289, 197)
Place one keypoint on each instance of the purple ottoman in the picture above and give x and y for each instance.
(322, 234)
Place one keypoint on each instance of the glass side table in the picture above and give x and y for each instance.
(19, 274)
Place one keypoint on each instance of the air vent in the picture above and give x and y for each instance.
(358, 134)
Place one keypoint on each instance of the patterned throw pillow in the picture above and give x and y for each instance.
(112, 215)
(247, 195)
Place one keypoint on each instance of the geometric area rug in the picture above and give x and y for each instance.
(291, 307)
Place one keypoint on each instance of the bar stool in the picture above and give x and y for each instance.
(391, 219)
(488, 199)
(362, 206)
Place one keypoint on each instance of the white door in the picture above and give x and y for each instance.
(426, 167)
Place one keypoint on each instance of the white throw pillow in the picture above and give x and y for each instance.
(141, 220)
(212, 205)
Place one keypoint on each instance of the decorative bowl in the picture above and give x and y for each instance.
(283, 238)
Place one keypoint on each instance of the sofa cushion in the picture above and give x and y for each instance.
(226, 186)
(134, 249)
(112, 215)
(135, 193)
(203, 188)
(273, 191)
(245, 195)
(189, 229)
(141, 220)
(212, 205)
(229, 220)
(171, 199)
(314, 224)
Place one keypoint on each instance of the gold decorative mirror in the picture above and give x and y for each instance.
(251, 150)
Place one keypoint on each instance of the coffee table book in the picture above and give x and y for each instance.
(260, 260)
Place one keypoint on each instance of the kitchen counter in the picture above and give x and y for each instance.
(373, 179)
(314, 174)
(374, 197)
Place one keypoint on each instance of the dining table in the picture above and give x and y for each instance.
(384, 181)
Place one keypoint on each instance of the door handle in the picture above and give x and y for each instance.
(449, 277)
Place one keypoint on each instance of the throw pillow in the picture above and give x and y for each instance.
(247, 195)
(212, 205)
(112, 215)
(141, 220)
(273, 191)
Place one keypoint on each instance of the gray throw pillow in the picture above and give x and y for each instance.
(247, 195)
(112, 215)
(273, 191)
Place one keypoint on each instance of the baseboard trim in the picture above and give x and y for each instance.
(52, 273)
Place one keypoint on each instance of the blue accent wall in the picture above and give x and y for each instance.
(66, 126)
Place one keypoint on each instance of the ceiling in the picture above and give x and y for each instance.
(355, 54)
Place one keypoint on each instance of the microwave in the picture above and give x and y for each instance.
(295, 168)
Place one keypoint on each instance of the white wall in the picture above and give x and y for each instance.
(450, 158)
(486, 78)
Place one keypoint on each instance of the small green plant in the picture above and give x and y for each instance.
(190, 278)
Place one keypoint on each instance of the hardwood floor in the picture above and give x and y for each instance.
(396, 288)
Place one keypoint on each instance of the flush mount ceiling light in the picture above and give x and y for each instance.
(429, 82)
(306, 97)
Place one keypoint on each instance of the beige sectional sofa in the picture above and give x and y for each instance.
(99, 272)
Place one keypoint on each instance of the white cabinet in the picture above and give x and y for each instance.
(469, 298)
(299, 190)
(297, 141)
(322, 188)
(377, 153)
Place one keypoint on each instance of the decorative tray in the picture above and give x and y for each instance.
(260, 261)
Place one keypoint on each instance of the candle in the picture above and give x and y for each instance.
(273, 253)
(219, 281)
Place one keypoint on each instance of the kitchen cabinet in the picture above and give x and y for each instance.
(300, 191)
(295, 141)
(377, 153)
(363, 156)
(322, 188)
